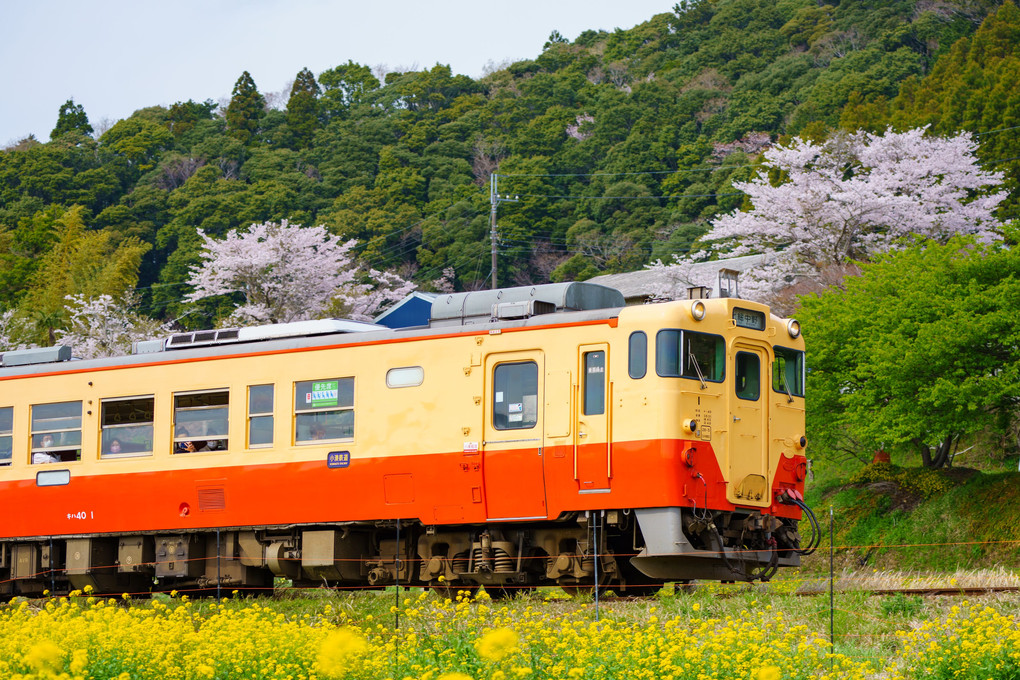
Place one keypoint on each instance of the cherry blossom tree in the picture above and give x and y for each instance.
(818, 208)
(105, 326)
(289, 273)
(13, 331)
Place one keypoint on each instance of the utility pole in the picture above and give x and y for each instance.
(495, 199)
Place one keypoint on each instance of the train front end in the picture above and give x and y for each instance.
(729, 378)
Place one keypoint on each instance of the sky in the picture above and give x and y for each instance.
(116, 56)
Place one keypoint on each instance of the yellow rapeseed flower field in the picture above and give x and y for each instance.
(86, 638)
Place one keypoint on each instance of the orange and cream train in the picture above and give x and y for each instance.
(523, 437)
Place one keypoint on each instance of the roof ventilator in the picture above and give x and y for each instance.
(523, 309)
(36, 355)
(226, 336)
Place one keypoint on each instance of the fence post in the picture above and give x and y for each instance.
(832, 581)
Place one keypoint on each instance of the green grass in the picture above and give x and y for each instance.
(894, 517)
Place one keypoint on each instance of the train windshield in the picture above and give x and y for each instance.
(788, 372)
(686, 354)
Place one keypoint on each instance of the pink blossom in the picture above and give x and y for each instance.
(290, 273)
(852, 197)
(104, 326)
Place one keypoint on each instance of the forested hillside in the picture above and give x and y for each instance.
(619, 146)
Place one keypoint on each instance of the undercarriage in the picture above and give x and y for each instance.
(630, 551)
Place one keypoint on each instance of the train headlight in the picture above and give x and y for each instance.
(690, 426)
(793, 328)
(802, 443)
(697, 310)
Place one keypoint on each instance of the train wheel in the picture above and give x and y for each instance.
(451, 590)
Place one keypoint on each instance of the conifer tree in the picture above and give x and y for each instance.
(247, 107)
(301, 108)
(71, 118)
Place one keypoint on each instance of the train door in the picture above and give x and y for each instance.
(512, 446)
(748, 441)
(592, 446)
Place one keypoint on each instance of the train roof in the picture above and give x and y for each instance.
(530, 306)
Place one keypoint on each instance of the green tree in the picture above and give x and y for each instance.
(183, 116)
(21, 248)
(301, 108)
(973, 87)
(71, 118)
(918, 351)
(137, 144)
(82, 262)
(246, 109)
(343, 87)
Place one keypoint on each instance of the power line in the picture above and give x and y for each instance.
(735, 193)
(628, 174)
(992, 132)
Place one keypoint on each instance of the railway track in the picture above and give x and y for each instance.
(927, 591)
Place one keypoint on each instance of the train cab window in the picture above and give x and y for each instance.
(6, 434)
(686, 354)
(748, 384)
(515, 396)
(260, 416)
(788, 372)
(594, 383)
(200, 421)
(56, 432)
(637, 359)
(323, 410)
(126, 426)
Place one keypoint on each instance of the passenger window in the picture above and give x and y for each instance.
(637, 359)
(748, 384)
(126, 426)
(260, 416)
(6, 434)
(323, 410)
(200, 421)
(56, 432)
(515, 396)
(594, 383)
(788, 372)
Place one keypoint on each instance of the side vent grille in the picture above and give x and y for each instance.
(211, 499)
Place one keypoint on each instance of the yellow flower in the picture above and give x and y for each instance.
(696, 606)
(497, 644)
(455, 676)
(340, 651)
(44, 657)
(769, 673)
(79, 661)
